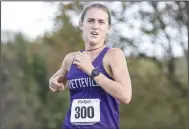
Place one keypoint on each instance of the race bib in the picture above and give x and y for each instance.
(85, 111)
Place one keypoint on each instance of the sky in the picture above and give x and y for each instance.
(34, 18)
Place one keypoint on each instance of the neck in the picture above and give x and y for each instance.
(89, 47)
(93, 49)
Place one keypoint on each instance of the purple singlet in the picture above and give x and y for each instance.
(91, 107)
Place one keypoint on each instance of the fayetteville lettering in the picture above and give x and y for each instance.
(81, 83)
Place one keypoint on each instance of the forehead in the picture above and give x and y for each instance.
(96, 13)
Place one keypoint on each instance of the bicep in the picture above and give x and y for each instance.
(119, 68)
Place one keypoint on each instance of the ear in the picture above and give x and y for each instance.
(109, 28)
(80, 26)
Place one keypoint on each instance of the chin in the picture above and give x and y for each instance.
(93, 42)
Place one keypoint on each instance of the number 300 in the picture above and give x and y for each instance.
(84, 112)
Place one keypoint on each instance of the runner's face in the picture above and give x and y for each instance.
(95, 26)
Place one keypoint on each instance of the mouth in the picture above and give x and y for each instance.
(94, 33)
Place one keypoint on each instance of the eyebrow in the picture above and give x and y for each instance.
(94, 19)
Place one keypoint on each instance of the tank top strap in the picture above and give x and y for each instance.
(98, 61)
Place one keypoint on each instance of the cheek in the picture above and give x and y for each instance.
(86, 31)
(104, 32)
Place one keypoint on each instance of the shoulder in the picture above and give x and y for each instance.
(116, 53)
(70, 56)
(116, 60)
(68, 59)
(115, 57)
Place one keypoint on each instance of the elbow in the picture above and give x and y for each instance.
(126, 100)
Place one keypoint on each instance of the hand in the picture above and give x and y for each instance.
(56, 84)
(83, 62)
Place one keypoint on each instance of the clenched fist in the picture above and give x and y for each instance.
(56, 84)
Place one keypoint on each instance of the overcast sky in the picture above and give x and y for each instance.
(34, 18)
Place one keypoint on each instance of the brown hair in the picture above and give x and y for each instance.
(96, 5)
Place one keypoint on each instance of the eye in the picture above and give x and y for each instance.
(90, 20)
(101, 22)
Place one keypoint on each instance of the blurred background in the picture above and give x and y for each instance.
(36, 36)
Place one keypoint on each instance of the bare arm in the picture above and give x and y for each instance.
(58, 80)
(121, 87)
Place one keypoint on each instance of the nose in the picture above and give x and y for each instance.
(95, 26)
